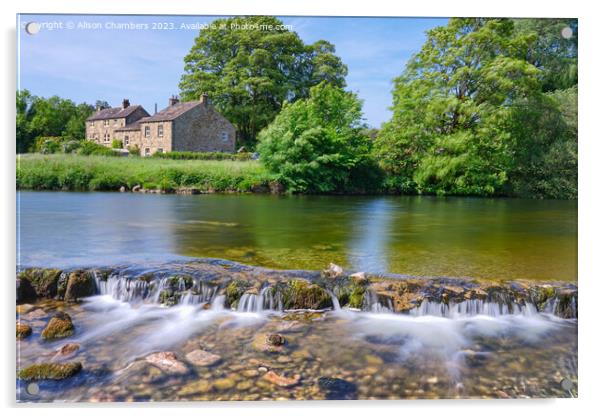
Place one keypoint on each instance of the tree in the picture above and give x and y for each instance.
(449, 132)
(48, 117)
(552, 52)
(316, 144)
(250, 65)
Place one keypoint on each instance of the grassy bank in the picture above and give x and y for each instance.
(100, 173)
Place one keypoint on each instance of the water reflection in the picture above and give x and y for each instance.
(500, 238)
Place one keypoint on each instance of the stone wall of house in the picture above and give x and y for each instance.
(103, 131)
(203, 129)
(152, 143)
(129, 138)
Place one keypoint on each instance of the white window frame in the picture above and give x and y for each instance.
(147, 132)
(225, 136)
(160, 131)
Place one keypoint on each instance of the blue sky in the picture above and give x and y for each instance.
(145, 65)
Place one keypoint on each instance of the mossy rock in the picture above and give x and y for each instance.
(44, 281)
(25, 290)
(59, 326)
(301, 294)
(235, 290)
(23, 331)
(169, 297)
(61, 287)
(147, 277)
(173, 282)
(356, 297)
(81, 283)
(50, 371)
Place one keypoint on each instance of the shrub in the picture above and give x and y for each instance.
(316, 145)
(134, 150)
(88, 148)
(204, 156)
(117, 144)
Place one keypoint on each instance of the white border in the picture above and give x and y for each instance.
(590, 154)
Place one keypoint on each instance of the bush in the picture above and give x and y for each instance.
(49, 144)
(88, 148)
(134, 150)
(316, 145)
(204, 156)
(117, 144)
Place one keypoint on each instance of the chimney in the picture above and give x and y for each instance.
(125, 103)
(173, 100)
(205, 99)
(99, 107)
(155, 108)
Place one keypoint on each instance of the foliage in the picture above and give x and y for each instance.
(134, 150)
(467, 111)
(250, 65)
(553, 54)
(100, 173)
(88, 148)
(204, 156)
(117, 144)
(48, 117)
(315, 144)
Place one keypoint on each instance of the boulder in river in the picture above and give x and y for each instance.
(59, 326)
(50, 371)
(202, 358)
(168, 362)
(43, 281)
(79, 285)
(23, 330)
(281, 380)
(25, 290)
(301, 294)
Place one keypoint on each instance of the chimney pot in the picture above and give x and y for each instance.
(173, 100)
(125, 103)
(205, 99)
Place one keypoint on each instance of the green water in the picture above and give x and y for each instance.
(485, 238)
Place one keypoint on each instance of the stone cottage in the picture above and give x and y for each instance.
(101, 126)
(193, 126)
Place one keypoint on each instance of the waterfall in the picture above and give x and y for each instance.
(265, 300)
(472, 307)
(335, 301)
(371, 303)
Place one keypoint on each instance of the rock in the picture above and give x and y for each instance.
(136, 188)
(280, 380)
(372, 359)
(25, 290)
(251, 373)
(235, 290)
(244, 385)
(502, 394)
(301, 294)
(168, 362)
(333, 271)
(202, 358)
(122, 189)
(260, 343)
(337, 388)
(35, 314)
(59, 326)
(25, 308)
(23, 331)
(67, 350)
(80, 284)
(274, 339)
(140, 371)
(43, 281)
(195, 388)
(224, 383)
(262, 369)
(50, 371)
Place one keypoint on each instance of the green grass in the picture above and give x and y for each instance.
(101, 173)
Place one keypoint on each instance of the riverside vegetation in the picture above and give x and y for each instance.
(487, 107)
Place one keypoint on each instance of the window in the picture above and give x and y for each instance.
(146, 131)
(106, 122)
(146, 151)
(126, 140)
(159, 150)
(107, 137)
(160, 130)
(224, 136)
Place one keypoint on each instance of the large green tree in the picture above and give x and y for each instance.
(317, 144)
(48, 117)
(460, 108)
(249, 66)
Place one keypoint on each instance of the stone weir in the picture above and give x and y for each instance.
(253, 289)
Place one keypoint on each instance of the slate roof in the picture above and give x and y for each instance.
(172, 112)
(116, 112)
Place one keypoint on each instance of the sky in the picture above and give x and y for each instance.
(93, 57)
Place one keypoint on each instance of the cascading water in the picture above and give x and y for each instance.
(265, 300)
(372, 303)
(472, 307)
